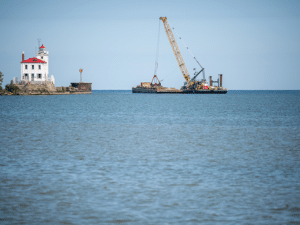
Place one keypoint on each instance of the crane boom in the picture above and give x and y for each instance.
(175, 48)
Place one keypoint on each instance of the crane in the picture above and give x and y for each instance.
(190, 83)
(175, 48)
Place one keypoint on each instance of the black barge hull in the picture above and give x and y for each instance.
(157, 91)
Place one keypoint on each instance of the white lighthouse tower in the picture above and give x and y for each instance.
(43, 54)
(36, 69)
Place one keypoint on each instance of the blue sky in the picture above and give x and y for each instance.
(254, 44)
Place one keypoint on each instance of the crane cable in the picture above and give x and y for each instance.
(169, 74)
(157, 54)
(157, 49)
(187, 47)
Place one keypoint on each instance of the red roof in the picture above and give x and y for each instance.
(33, 60)
(42, 46)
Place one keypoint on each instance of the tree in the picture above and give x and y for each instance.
(12, 88)
(1, 80)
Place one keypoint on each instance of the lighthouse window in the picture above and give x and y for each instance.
(39, 76)
(32, 67)
(39, 67)
(42, 57)
(25, 67)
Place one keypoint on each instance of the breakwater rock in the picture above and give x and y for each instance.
(47, 89)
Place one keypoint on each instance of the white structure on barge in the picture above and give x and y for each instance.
(36, 69)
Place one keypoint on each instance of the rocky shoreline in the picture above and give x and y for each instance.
(46, 89)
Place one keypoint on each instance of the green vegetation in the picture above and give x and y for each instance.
(12, 88)
(1, 80)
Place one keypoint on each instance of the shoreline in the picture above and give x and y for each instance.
(46, 88)
(54, 93)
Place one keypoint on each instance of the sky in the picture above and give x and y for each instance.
(254, 44)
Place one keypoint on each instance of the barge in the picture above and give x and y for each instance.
(176, 91)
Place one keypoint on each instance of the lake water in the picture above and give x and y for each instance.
(114, 157)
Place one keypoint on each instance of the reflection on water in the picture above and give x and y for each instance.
(115, 157)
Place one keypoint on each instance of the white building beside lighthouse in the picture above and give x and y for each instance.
(36, 69)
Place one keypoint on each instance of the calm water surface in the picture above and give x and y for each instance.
(115, 157)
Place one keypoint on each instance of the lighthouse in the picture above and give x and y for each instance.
(36, 69)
